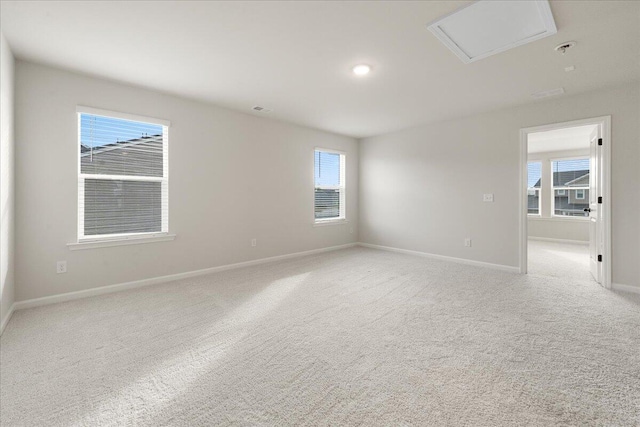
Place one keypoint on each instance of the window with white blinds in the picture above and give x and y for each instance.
(570, 187)
(534, 180)
(329, 197)
(123, 176)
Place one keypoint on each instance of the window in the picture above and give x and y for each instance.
(329, 197)
(571, 187)
(123, 181)
(534, 174)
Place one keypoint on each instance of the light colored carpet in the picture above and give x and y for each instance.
(566, 261)
(354, 337)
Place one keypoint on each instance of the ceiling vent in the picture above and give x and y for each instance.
(487, 27)
(548, 93)
(260, 109)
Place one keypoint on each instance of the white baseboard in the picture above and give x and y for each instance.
(6, 319)
(625, 288)
(36, 302)
(444, 258)
(547, 239)
(69, 296)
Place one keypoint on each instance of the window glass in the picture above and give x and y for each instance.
(571, 187)
(329, 194)
(123, 181)
(534, 175)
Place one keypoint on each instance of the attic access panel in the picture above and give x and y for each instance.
(487, 27)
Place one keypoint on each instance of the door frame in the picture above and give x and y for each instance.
(605, 126)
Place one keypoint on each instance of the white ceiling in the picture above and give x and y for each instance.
(296, 57)
(574, 138)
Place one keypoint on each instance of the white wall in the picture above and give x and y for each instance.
(575, 230)
(421, 188)
(7, 144)
(233, 177)
(546, 226)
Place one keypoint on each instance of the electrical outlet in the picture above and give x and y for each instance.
(351, 230)
(254, 242)
(467, 242)
(61, 267)
(487, 198)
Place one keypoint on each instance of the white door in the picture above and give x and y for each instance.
(596, 240)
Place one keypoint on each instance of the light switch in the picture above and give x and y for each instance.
(488, 198)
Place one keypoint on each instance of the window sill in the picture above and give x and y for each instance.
(322, 223)
(569, 218)
(560, 218)
(137, 240)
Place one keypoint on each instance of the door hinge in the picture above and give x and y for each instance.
(599, 258)
(600, 199)
(599, 141)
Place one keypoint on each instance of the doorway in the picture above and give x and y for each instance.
(565, 203)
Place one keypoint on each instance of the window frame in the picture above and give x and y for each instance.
(553, 189)
(125, 238)
(342, 187)
(539, 190)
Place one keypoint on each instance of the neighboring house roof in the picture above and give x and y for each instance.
(136, 157)
(581, 181)
(85, 150)
(578, 178)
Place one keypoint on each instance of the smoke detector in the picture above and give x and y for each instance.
(563, 47)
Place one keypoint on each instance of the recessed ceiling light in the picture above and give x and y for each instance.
(361, 70)
(486, 27)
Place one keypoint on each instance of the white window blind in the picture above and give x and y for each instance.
(329, 197)
(534, 177)
(570, 187)
(123, 182)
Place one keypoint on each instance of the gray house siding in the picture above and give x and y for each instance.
(137, 157)
(573, 197)
(327, 203)
(533, 203)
